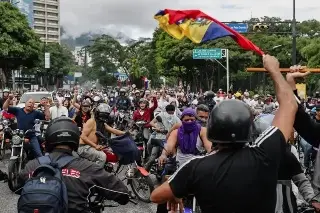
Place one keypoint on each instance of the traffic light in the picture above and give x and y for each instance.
(260, 27)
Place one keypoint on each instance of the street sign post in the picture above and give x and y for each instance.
(239, 27)
(47, 60)
(215, 53)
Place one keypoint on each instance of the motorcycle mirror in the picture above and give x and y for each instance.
(159, 119)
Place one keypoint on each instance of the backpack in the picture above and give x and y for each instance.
(45, 191)
(125, 148)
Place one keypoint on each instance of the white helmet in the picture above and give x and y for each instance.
(96, 98)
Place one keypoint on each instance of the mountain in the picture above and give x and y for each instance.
(86, 38)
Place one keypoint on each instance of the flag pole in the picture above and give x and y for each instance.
(228, 74)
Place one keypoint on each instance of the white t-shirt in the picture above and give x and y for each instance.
(56, 112)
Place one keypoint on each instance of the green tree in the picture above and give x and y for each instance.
(61, 64)
(174, 57)
(19, 45)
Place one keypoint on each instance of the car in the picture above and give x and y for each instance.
(36, 96)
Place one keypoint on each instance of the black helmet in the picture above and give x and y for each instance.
(102, 112)
(230, 122)
(62, 131)
(209, 94)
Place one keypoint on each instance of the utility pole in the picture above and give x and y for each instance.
(85, 59)
(294, 35)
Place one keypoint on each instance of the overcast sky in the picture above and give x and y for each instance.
(135, 17)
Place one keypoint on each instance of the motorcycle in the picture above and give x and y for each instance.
(21, 153)
(18, 158)
(6, 136)
(41, 135)
(137, 177)
(190, 204)
(97, 203)
(156, 151)
(122, 120)
(168, 168)
(140, 140)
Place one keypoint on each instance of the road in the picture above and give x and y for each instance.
(8, 200)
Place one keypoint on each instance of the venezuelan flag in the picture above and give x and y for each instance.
(199, 27)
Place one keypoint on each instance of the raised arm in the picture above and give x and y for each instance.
(285, 115)
(303, 124)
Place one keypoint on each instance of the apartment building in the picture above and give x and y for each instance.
(80, 58)
(46, 14)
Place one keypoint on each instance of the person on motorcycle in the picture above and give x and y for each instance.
(84, 114)
(112, 100)
(89, 147)
(43, 102)
(5, 94)
(25, 119)
(202, 118)
(80, 176)
(144, 113)
(188, 140)
(123, 102)
(202, 114)
(167, 120)
(7, 115)
(236, 175)
(58, 110)
(209, 99)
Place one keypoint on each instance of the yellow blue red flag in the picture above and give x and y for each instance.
(199, 28)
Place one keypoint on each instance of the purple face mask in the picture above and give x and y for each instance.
(187, 137)
(189, 126)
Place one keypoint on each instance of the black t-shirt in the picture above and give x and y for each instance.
(289, 166)
(234, 181)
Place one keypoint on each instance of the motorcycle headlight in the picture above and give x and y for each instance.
(16, 140)
(5, 122)
(121, 115)
(21, 133)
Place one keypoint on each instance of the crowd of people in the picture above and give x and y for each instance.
(230, 158)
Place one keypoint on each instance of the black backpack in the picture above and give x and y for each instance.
(45, 191)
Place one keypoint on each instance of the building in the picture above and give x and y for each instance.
(43, 16)
(80, 58)
(46, 16)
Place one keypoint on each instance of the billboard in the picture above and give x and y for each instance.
(26, 8)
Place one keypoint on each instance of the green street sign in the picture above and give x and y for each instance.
(215, 53)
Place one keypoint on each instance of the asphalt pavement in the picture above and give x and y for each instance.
(8, 200)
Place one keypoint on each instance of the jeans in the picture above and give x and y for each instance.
(35, 146)
(307, 151)
(90, 153)
(149, 146)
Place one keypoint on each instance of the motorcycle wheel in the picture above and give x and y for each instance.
(13, 172)
(142, 182)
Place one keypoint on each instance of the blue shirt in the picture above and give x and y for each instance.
(26, 120)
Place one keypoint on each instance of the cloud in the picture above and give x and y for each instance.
(135, 18)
